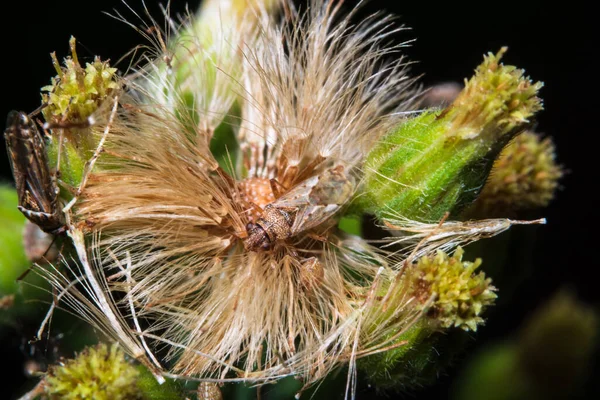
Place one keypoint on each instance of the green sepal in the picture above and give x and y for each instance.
(422, 173)
(72, 164)
(438, 161)
(150, 389)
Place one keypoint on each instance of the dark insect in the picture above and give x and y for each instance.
(36, 184)
(274, 224)
(209, 391)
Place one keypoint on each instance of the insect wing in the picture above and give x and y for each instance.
(312, 216)
(317, 198)
(36, 188)
(299, 196)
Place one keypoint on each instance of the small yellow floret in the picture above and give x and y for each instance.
(460, 293)
(100, 373)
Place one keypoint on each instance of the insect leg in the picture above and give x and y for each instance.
(35, 215)
(311, 273)
(277, 188)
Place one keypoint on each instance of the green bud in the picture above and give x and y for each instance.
(448, 293)
(76, 93)
(524, 177)
(557, 345)
(548, 359)
(438, 161)
(416, 364)
(395, 367)
(152, 390)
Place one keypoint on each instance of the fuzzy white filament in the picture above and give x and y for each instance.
(165, 262)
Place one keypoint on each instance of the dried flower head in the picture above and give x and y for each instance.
(213, 264)
(234, 268)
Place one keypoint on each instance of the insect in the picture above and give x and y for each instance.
(304, 207)
(37, 189)
(209, 391)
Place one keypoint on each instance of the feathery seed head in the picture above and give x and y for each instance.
(234, 268)
(244, 274)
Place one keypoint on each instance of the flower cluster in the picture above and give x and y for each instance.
(100, 372)
(460, 294)
(525, 176)
(206, 212)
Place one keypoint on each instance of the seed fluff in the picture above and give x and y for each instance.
(162, 227)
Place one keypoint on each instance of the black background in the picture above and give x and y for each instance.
(554, 44)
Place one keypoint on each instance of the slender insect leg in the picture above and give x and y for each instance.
(277, 188)
(59, 153)
(43, 216)
(318, 238)
(311, 273)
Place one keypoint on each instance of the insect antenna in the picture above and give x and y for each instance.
(277, 188)
(43, 256)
